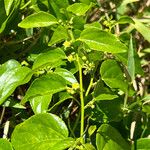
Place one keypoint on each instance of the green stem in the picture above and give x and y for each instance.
(125, 99)
(89, 87)
(25, 5)
(71, 131)
(81, 99)
(2, 115)
(76, 122)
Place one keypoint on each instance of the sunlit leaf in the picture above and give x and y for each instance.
(108, 138)
(5, 144)
(45, 85)
(140, 27)
(79, 8)
(40, 19)
(66, 75)
(91, 129)
(100, 40)
(93, 25)
(40, 104)
(5, 21)
(8, 4)
(59, 35)
(125, 19)
(41, 132)
(52, 58)
(105, 97)
(143, 144)
(12, 75)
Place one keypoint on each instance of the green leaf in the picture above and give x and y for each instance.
(131, 61)
(143, 144)
(3, 15)
(111, 110)
(106, 97)
(146, 108)
(108, 138)
(146, 98)
(123, 57)
(140, 27)
(58, 8)
(79, 9)
(5, 144)
(61, 4)
(122, 9)
(147, 50)
(62, 97)
(88, 146)
(8, 4)
(125, 19)
(2, 11)
(12, 75)
(5, 21)
(41, 132)
(52, 58)
(100, 40)
(39, 5)
(10, 102)
(91, 129)
(11, 64)
(59, 35)
(40, 104)
(93, 25)
(112, 75)
(67, 75)
(40, 19)
(78, 23)
(88, 1)
(45, 85)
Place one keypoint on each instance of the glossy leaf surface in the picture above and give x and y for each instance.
(8, 4)
(40, 19)
(67, 75)
(40, 104)
(100, 40)
(12, 75)
(42, 131)
(6, 21)
(108, 138)
(45, 85)
(52, 58)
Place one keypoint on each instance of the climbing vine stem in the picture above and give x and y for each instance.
(81, 99)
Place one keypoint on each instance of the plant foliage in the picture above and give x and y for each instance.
(74, 75)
